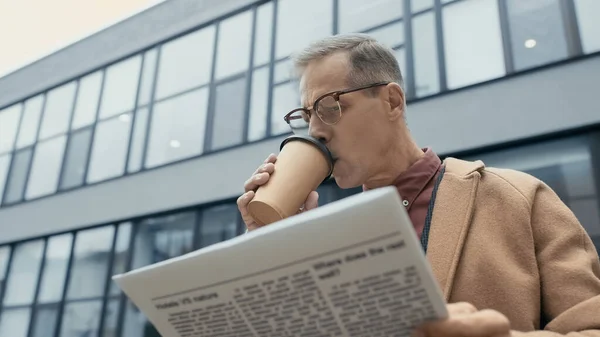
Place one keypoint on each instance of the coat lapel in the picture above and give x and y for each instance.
(452, 214)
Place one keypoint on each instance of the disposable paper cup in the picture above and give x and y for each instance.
(301, 166)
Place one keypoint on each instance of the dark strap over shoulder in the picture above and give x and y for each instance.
(425, 234)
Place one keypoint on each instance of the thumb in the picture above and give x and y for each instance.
(312, 201)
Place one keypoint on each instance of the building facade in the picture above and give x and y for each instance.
(130, 147)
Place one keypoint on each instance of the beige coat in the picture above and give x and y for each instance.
(503, 240)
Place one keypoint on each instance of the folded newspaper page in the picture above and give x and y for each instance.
(354, 267)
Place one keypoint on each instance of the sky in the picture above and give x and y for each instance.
(32, 29)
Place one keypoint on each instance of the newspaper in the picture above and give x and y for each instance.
(354, 267)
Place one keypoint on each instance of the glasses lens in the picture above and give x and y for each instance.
(329, 110)
(299, 120)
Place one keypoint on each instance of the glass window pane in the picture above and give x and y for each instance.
(88, 96)
(15, 322)
(18, 176)
(234, 35)
(262, 40)
(420, 5)
(358, 15)
(147, 77)
(589, 25)
(283, 71)
(257, 128)
(111, 318)
(139, 138)
(391, 35)
(90, 262)
(9, 123)
(161, 238)
(55, 268)
(45, 320)
(121, 254)
(120, 87)
(45, 169)
(290, 34)
(230, 112)
(177, 128)
(219, 223)
(4, 256)
(4, 165)
(480, 35)
(401, 58)
(81, 319)
(31, 121)
(185, 62)
(57, 111)
(285, 98)
(23, 275)
(427, 81)
(110, 148)
(77, 156)
(136, 324)
(537, 34)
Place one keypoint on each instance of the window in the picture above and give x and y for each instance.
(120, 87)
(257, 125)
(587, 16)
(18, 176)
(230, 112)
(285, 98)
(88, 96)
(283, 71)
(4, 165)
(4, 256)
(358, 15)
(219, 223)
(24, 271)
(57, 112)
(139, 138)
(185, 63)
(15, 322)
(121, 254)
(401, 58)
(73, 173)
(45, 170)
(234, 35)
(292, 33)
(111, 318)
(30, 121)
(262, 40)
(147, 77)
(391, 35)
(537, 32)
(46, 318)
(427, 81)
(109, 148)
(177, 128)
(81, 318)
(420, 5)
(9, 123)
(472, 43)
(55, 268)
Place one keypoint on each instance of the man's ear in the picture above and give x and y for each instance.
(396, 100)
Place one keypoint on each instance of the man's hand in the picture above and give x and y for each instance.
(466, 321)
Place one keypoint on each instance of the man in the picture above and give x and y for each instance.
(510, 257)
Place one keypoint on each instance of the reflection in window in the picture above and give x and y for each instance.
(147, 77)
(15, 322)
(177, 129)
(257, 125)
(136, 324)
(291, 33)
(76, 158)
(234, 34)
(4, 165)
(9, 122)
(537, 34)
(587, 17)
(88, 96)
(219, 223)
(479, 35)
(358, 15)
(121, 254)
(391, 36)
(262, 40)
(45, 320)
(420, 5)
(285, 98)
(185, 62)
(230, 111)
(15, 184)
(111, 318)
(4, 256)
(427, 81)
(57, 111)
(24, 271)
(138, 140)
(55, 268)
(81, 319)
(45, 169)
(110, 148)
(90, 262)
(30, 121)
(120, 87)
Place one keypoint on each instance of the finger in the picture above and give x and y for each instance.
(271, 158)
(268, 167)
(461, 308)
(255, 181)
(242, 203)
(312, 201)
(485, 323)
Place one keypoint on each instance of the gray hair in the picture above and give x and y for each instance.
(370, 60)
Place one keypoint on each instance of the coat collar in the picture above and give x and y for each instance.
(451, 219)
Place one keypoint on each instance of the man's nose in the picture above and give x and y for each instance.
(316, 129)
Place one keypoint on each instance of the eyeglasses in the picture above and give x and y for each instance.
(327, 107)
